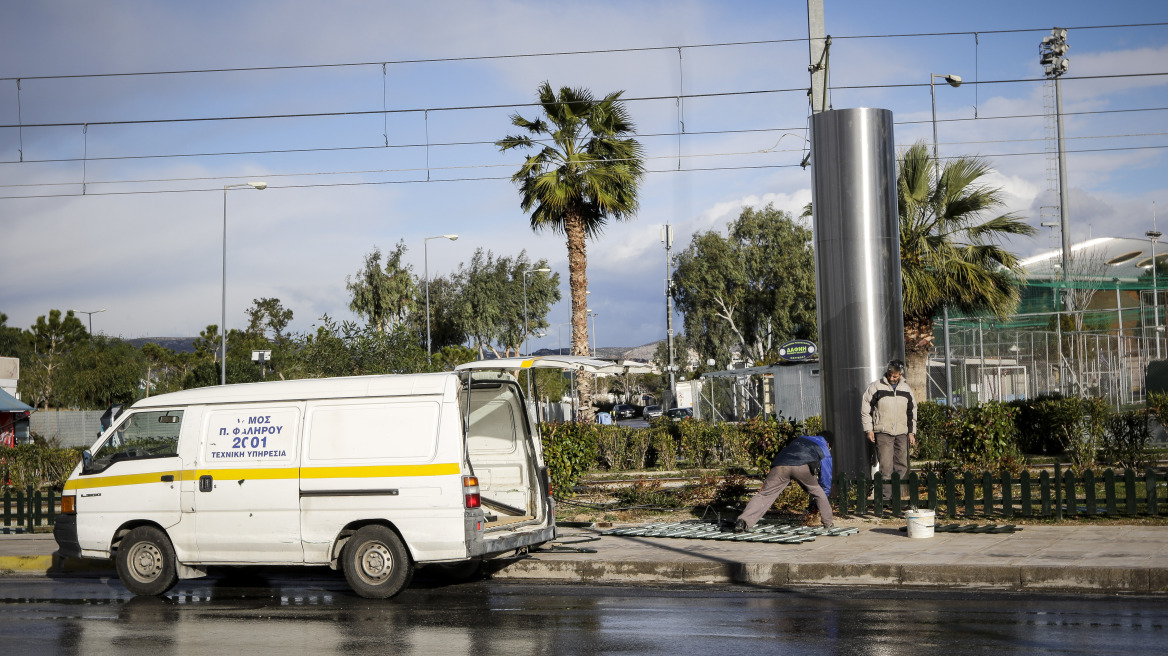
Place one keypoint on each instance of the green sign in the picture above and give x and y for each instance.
(798, 350)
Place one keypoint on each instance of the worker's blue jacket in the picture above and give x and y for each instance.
(811, 450)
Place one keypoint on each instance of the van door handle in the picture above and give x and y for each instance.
(206, 483)
(168, 478)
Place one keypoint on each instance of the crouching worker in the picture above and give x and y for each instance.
(804, 460)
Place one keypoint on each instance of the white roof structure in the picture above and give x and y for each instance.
(1125, 258)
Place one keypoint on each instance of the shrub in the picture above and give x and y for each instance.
(621, 447)
(698, 442)
(985, 438)
(931, 421)
(1126, 439)
(764, 438)
(662, 445)
(38, 465)
(569, 451)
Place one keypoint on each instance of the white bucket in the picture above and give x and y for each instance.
(920, 523)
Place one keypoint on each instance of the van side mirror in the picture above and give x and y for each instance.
(86, 461)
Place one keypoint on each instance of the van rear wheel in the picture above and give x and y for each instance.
(376, 563)
(146, 562)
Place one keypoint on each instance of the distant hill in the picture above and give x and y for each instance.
(643, 353)
(176, 344)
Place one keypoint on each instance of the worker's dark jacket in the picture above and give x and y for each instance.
(809, 450)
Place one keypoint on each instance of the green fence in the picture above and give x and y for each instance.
(1057, 495)
(30, 508)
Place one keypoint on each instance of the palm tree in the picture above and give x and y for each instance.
(585, 170)
(949, 251)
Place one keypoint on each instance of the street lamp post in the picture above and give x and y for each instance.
(593, 315)
(526, 347)
(90, 313)
(954, 81)
(1153, 236)
(223, 316)
(560, 337)
(426, 274)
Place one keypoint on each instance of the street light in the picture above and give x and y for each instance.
(1153, 236)
(593, 315)
(426, 274)
(525, 274)
(254, 185)
(560, 337)
(90, 317)
(954, 81)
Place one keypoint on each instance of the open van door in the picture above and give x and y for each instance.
(502, 441)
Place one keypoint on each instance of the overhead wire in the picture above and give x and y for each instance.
(642, 135)
(596, 51)
(515, 105)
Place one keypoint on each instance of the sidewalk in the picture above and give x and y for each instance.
(1122, 559)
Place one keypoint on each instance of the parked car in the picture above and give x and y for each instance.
(623, 411)
(678, 414)
(652, 411)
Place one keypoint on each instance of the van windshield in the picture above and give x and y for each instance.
(140, 435)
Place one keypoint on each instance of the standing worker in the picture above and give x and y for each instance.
(889, 415)
(805, 459)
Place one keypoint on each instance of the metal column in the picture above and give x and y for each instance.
(857, 268)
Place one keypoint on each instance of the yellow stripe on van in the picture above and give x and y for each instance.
(124, 479)
(270, 473)
(385, 471)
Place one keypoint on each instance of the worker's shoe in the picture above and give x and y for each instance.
(740, 526)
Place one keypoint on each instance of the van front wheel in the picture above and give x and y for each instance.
(146, 562)
(376, 563)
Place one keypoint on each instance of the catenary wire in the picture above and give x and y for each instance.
(456, 108)
(240, 69)
(280, 151)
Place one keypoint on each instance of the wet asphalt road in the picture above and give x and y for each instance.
(314, 613)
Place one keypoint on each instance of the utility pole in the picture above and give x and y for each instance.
(818, 45)
(667, 239)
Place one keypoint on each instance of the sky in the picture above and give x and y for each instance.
(374, 122)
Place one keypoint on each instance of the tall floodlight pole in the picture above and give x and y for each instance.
(254, 185)
(526, 347)
(90, 313)
(954, 81)
(426, 275)
(1054, 65)
(667, 239)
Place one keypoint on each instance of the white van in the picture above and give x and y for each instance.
(372, 475)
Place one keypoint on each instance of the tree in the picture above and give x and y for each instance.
(99, 372)
(949, 251)
(385, 297)
(52, 339)
(12, 340)
(208, 343)
(352, 350)
(748, 292)
(267, 314)
(584, 171)
(489, 302)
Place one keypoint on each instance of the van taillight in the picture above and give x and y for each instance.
(470, 491)
(69, 505)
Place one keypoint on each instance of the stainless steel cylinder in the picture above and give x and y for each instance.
(857, 268)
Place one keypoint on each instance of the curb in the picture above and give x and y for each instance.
(1030, 578)
(53, 564)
